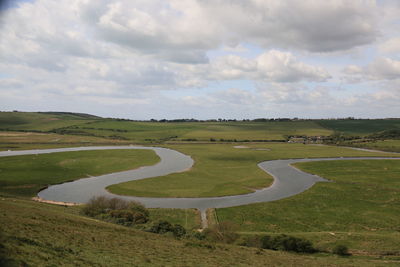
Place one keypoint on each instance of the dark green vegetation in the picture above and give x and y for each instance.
(163, 227)
(360, 127)
(359, 209)
(222, 169)
(26, 175)
(116, 210)
(37, 234)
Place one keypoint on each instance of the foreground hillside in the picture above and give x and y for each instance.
(36, 234)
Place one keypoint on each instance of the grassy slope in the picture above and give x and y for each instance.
(26, 175)
(360, 208)
(188, 218)
(360, 127)
(44, 235)
(40, 121)
(225, 170)
(384, 145)
(140, 131)
(256, 130)
(12, 139)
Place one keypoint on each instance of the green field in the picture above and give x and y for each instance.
(384, 145)
(222, 169)
(36, 234)
(205, 131)
(13, 139)
(41, 121)
(360, 127)
(360, 208)
(26, 175)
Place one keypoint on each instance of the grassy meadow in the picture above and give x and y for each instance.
(38, 234)
(359, 208)
(26, 175)
(222, 169)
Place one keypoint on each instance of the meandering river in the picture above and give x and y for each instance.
(288, 181)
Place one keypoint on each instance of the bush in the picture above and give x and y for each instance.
(251, 241)
(96, 206)
(128, 217)
(162, 227)
(287, 243)
(178, 230)
(116, 210)
(223, 232)
(341, 250)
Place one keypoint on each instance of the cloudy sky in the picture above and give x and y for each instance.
(143, 59)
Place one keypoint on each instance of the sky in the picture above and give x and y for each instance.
(203, 59)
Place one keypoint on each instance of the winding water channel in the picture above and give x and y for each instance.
(288, 181)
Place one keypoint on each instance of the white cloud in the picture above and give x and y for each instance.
(80, 53)
(273, 65)
(284, 67)
(379, 69)
(391, 46)
(317, 26)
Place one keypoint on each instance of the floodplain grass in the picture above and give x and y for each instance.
(222, 169)
(38, 234)
(360, 207)
(26, 175)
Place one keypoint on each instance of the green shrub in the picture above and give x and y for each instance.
(178, 230)
(223, 232)
(341, 250)
(128, 217)
(287, 243)
(162, 227)
(116, 210)
(198, 235)
(96, 206)
(251, 241)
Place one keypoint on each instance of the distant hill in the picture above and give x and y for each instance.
(42, 121)
(190, 130)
